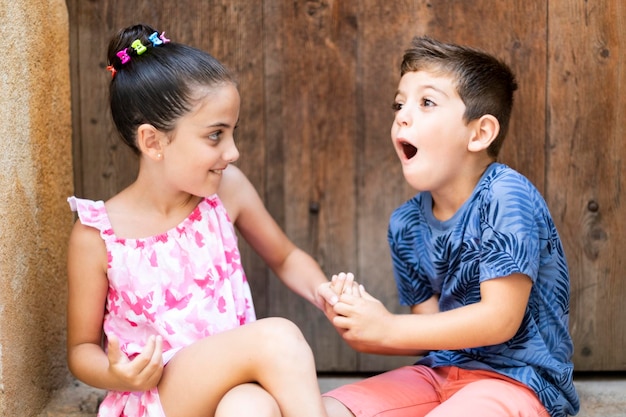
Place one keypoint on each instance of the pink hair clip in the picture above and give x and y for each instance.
(163, 38)
(123, 55)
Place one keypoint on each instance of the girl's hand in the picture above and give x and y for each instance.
(330, 292)
(343, 283)
(143, 372)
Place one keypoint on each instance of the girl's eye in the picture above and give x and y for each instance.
(395, 106)
(215, 136)
(427, 103)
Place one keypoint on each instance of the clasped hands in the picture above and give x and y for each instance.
(360, 319)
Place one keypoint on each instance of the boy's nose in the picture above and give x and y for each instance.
(403, 118)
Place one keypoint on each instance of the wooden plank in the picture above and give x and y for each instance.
(72, 6)
(381, 185)
(310, 59)
(516, 33)
(585, 170)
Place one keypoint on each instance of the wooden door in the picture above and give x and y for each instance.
(317, 79)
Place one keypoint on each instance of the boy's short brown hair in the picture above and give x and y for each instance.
(484, 83)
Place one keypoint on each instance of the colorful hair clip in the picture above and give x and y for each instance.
(163, 38)
(154, 38)
(112, 69)
(123, 55)
(138, 47)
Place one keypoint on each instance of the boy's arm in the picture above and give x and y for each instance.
(371, 328)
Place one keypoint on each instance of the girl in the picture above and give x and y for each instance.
(156, 268)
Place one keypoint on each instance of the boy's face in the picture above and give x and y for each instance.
(429, 133)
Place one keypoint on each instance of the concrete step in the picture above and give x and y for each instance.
(600, 396)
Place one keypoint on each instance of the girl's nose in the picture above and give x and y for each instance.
(231, 153)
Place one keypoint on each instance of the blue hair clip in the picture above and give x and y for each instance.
(154, 38)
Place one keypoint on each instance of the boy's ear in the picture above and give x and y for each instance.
(149, 141)
(486, 129)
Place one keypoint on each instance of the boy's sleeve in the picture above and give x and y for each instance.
(413, 287)
(510, 230)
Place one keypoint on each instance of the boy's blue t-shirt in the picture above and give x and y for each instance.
(504, 227)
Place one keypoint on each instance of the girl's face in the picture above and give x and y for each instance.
(429, 133)
(202, 144)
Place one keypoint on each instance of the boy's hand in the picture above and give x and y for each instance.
(143, 372)
(362, 317)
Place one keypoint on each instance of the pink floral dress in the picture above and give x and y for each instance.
(185, 284)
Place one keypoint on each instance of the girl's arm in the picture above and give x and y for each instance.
(296, 269)
(87, 291)
(371, 328)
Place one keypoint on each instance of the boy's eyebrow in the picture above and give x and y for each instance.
(424, 87)
(432, 87)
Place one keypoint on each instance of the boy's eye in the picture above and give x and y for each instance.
(395, 106)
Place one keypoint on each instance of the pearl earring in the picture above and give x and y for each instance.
(158, 156)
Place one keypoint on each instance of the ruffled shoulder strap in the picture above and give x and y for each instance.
(93, 214)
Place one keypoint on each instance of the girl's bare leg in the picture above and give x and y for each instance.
(272, 352)
(334, 408)
(247, 400)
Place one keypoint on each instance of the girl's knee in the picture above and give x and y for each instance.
(283, 337)
(280, 329)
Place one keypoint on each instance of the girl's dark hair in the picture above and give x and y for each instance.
(484, 83)
(157, 87)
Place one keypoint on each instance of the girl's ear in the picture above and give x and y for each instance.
(486, 130)
(149, 141)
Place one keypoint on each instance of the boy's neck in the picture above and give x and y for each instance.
(446, 202)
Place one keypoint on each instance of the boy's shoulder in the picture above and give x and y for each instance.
(500, 179)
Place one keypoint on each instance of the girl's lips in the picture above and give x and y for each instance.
(409, 150)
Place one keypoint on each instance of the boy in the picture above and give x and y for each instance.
(475, 254)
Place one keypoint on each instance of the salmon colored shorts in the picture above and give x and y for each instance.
(417, 391)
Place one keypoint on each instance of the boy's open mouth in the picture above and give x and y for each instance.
(409, 150)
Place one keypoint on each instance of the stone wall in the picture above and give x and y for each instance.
(35, 220)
